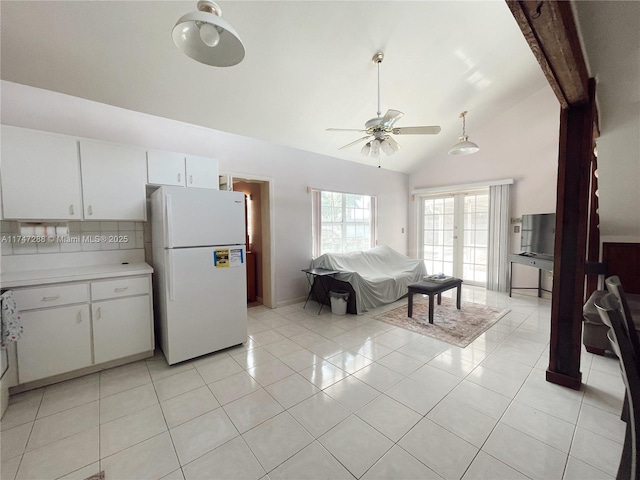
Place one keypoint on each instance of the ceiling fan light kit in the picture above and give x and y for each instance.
(207, 38)
(379, 129)
(464, 146)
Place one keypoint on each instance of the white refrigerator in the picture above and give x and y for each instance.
(199, 259)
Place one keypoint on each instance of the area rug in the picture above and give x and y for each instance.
(450, 325)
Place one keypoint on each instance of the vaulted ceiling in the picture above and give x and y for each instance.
(308, 66)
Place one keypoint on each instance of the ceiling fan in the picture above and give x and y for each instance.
(378, 129)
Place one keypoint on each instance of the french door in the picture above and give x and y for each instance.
(453, 234)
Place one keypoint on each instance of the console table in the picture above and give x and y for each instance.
(539, 262)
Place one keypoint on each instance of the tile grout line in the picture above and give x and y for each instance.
(30, 433)
(494, 427)
(498, 420)
(519, 328)
(575, 431)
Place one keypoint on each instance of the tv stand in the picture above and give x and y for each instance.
(541, 262)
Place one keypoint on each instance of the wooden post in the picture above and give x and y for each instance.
(574, 158)
(550, 29)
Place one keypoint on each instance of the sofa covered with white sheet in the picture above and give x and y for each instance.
(377, 276)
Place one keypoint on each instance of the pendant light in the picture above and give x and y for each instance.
(464, 146)
(207, 38)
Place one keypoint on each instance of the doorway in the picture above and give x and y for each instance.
(454, 234)
(257, 191)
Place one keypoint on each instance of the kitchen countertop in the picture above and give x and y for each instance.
(27, 278)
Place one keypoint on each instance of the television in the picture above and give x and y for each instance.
(538, 234)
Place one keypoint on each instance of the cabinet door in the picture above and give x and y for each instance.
(165, 168)
(202, 172)
(121, 328)
(55, 340)
(113, 181)
(40, 175)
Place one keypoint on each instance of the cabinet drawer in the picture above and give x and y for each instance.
(123, 287)
(42, 297)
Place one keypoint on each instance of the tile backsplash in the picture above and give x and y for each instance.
(83, 237)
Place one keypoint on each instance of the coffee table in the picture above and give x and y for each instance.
(432, 288)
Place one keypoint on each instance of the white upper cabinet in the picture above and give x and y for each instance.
(170, 168)
(113, 181)
(40, 175)
(202, 172)
(165, 168)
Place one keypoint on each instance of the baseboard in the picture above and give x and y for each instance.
(293, 301)
(23, 387)
(564, 380)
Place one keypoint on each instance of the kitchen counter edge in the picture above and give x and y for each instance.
(73, 274)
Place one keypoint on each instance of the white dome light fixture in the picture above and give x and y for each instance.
(464, 146)
(207, 38)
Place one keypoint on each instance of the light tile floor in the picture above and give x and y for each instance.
(336, 397)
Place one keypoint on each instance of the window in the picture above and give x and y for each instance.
(342, 222)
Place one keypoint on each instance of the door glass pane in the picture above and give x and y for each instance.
(441, 233)
(438, 232)
(476, 235)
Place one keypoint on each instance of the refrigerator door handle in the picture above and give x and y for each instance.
(168, 220)
(170, 275)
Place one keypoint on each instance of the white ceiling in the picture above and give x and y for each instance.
(308, 66)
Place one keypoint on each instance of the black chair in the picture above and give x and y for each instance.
(611, 314)
(614, 286)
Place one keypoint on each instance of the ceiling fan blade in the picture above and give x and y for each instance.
(393, 143)
(432, 130)
(390, 117)
(353, 143)
(345, 130)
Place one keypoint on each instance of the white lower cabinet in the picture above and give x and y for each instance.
(55, 341)
(71, 326)
(121, 328)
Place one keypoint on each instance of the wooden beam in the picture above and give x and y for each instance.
(550, 29)
(574, 158)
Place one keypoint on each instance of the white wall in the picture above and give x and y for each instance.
(521, 143)
(619, 173)
(291, 170)
(611, 41)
